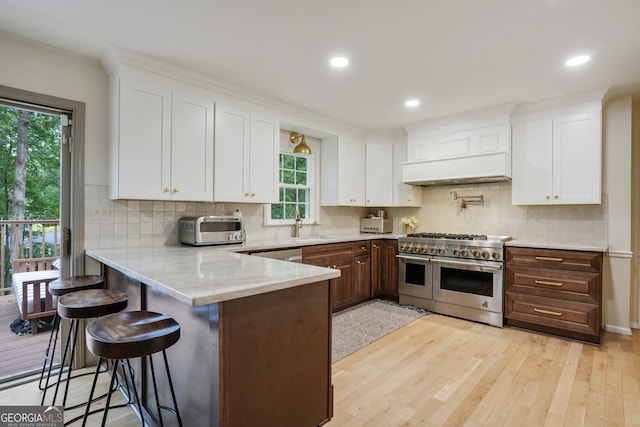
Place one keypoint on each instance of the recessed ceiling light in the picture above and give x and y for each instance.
(339, 62)
(577, 60)
(412, 103)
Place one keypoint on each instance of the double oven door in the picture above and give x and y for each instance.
(459, 287)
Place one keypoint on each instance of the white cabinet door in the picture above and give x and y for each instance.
(232, 130)
(577, 159)
(263, 165)
(351, 174)
(403, 194)
(246, 156)
(192, 145)
(379, 174)
(342, 172)
(557, 160)
(532, 180)
(141, 138)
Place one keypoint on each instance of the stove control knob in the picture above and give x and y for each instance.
(432, 250)
(440, 251)
(476, 253)
(425, 250)
(495, 255)
(464, 252)
(486, 254)
(403, 247)
(417, 248)
(456, 252)
(410, 247)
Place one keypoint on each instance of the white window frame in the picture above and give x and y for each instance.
(313, 200)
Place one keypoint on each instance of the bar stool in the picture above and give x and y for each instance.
(58, 288)
(127, 335)
(76, 306)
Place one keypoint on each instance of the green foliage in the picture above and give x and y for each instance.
(43, 170)
(294, 190)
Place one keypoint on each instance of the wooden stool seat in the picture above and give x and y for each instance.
(64, 285)
(131, 334)
(128, 335)
(91, 303)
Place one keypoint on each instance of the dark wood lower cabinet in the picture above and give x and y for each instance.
(384, 268)
(555, 291)
(262, 360)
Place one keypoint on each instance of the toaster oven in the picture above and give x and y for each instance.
(210, 230)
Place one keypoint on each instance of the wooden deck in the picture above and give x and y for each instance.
(19, 355)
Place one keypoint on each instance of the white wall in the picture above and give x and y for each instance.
(36, 68)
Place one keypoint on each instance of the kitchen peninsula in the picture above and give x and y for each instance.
(255, 345)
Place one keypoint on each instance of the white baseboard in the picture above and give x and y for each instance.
(634, 325)
(618, 329)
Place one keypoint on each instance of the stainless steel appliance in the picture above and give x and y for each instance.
(376, 225)
(211, 230)
(460, 275)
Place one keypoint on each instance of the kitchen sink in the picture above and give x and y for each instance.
(307, 239)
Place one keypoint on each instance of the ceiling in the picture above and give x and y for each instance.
(453, 55)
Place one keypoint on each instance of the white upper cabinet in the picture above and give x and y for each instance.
(161, 145)
(379, 174)
(246, 156)
(403, 194)
(342, 165)
(557, 155)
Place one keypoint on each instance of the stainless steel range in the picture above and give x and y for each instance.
(460, 275)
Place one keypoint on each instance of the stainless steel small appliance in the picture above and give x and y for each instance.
(376, 225)
(460, 275)
(211, 230)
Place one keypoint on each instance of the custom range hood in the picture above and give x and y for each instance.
(477, 168)
(469, 148)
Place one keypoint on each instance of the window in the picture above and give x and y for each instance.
(296, 182)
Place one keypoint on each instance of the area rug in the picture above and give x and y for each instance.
(359, 326)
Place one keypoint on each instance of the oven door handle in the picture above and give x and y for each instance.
(413, 258)
(485, 266)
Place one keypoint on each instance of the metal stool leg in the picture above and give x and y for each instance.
(50, 353)
(64, 357)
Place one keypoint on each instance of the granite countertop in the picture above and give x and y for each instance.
(210, 274)
(572, 246)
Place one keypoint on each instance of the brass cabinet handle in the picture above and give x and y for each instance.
(253, 194)
(166, 190)
(175, 190)
(363, 248)
(551, 313)
(375, 246)
(544, 282)
(547, 258)
(359, 262)
(246, 194)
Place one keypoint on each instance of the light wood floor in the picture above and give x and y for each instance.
(442, 371)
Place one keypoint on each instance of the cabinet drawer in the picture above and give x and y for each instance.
(548, 312)
(314, 254)
(553, 258)
(569, 285)
(363, 247)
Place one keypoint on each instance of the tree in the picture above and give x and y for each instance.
(20, 181)
(30, 144)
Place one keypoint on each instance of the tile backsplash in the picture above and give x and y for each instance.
(561, 223)
(132, 223)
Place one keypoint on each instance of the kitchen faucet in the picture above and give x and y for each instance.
(298, 225)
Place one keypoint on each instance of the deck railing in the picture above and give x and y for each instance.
(37, 246)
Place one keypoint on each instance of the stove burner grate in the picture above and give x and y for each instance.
(449, 236)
